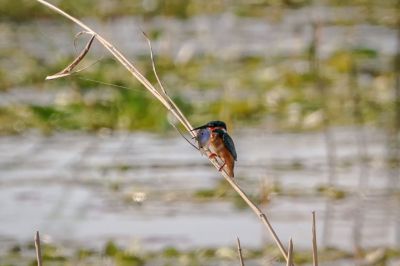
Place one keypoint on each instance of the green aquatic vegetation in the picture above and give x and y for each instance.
(175, 256)
(15, 250)
(129, 110)
(263, 8)
(212, 193)
(137, 111)
(8, 122)
(342, 61)
(205, 194)
(24, 10)
(52, 253)
(84, 253)
(276, 188)
(127, 259)
(364, 52)
(220, 191)
(332, 192)
(107, 70)
(123, 167)
(391, 253)
(293, 79)
(116, 167)
(46, 113)
(207, 253)
(170, 252)
(239, 110)
(246, 110)
(115, 186)
(294, 165)
(111, 249)
(304, 257)
(301, 257)
(240, 204)
(176, 8)
(120, 256)
(239, 89)
(20, 10)
(252, 253)
(28, 69)
(332, 254)
(5, 82)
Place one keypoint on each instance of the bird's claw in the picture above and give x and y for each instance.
(212, 156)
(221, 167)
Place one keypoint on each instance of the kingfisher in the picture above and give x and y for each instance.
(214, 137)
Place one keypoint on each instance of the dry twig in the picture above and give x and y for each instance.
(163, 97)
(239, 248)
(290, 254)
(68, 70)
(38, 251)
(314, 241)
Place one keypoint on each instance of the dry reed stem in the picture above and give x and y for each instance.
(239, 248)
(38, 251)
(290, 254)
(314, 241)
(183, 117)
(132, 69)
(68, 70)
(170, 105)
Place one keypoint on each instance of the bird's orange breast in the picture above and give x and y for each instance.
(218, 147)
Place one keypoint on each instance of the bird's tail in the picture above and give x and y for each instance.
(229, 169)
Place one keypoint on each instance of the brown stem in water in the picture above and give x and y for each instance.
(290, 254)
(38, 251)
(314, 241)
(239, 248)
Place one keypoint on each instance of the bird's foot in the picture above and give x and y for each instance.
(221, 167)
(212, 155)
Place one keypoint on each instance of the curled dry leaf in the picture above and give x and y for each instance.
(69, 69)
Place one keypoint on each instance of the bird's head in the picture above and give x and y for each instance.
(213, 125)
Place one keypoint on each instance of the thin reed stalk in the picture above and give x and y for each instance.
(314, 241)
(290, 253)
(323, 90)
(239, 248)
(169, 104)
(38, 250)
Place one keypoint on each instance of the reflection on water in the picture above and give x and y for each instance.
(63, 185)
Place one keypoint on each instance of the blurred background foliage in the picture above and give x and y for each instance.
(25, 10)
(326, 64)
(282, 91)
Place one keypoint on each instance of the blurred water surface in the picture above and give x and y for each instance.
(63, 185)
(140, 189)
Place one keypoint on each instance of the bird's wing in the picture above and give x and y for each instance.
(230, 145)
